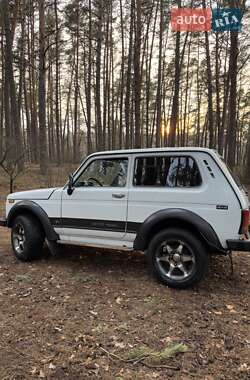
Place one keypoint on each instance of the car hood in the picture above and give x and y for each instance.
(41, 194)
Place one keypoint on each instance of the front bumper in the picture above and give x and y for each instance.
(3, 223)
(239, 245)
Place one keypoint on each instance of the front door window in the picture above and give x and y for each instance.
(104, 173)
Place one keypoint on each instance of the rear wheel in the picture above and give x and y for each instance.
(177, 258)
(27, 237)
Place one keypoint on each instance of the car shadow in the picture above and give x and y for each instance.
(122, 264)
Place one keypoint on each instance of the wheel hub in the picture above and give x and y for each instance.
(176, 258)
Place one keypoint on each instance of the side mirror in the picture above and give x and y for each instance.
(71, 188)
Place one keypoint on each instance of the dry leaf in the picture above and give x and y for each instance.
(231, 308)
(119, 345)
(41, 374)
(118, 300)
(218, 312)
(33, 371)
(244, 367)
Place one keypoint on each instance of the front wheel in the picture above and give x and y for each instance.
(27, 238)
(177, 258)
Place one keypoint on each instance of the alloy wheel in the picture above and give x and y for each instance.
(175, 260)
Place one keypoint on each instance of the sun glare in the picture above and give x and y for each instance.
(165, 128)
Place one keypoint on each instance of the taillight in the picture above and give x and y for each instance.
(244, 222)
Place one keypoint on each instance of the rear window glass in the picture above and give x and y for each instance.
(166, 171)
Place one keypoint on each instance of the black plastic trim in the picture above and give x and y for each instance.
(239, 245)
(89, 224)
(96, 224)
(183, 216)
(32, 207)
(133, 227)
(3, 223)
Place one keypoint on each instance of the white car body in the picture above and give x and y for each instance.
(111, 216)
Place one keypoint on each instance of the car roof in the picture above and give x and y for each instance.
(155, 150)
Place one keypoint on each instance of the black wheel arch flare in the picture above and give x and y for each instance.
(32, 208)
(176, 216)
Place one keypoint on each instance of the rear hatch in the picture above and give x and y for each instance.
(244, 228)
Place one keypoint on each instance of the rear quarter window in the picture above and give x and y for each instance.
(166, 171)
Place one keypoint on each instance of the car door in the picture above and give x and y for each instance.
(97, 208)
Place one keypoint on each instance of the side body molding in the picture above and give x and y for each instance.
(173, 218)
(29, 207)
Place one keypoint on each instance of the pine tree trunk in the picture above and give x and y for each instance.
(210, 93)
(122, 76)
(10, 81)
(218, 108)
(128, 79)
(89, 95)
(232, 120)
(209, 89)
(175, 104)
(42, 90)
(33, 84)
(99, 133)
(57, 106)
(137, 74)
(76, 111)
(159, 85)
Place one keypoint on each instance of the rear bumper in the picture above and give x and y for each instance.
(239, 245)
(3, 223)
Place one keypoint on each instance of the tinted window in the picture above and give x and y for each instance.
(175, 171)
(104, 173)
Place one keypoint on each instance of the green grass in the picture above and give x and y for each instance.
(157, 357)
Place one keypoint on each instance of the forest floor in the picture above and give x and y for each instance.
(94, 314)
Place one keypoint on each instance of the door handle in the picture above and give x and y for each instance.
(118, 196)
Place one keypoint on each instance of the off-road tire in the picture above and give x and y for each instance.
(33, 241)
(198, 252)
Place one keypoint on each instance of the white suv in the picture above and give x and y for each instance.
(179, 205)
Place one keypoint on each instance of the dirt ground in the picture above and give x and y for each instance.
(84, 313)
